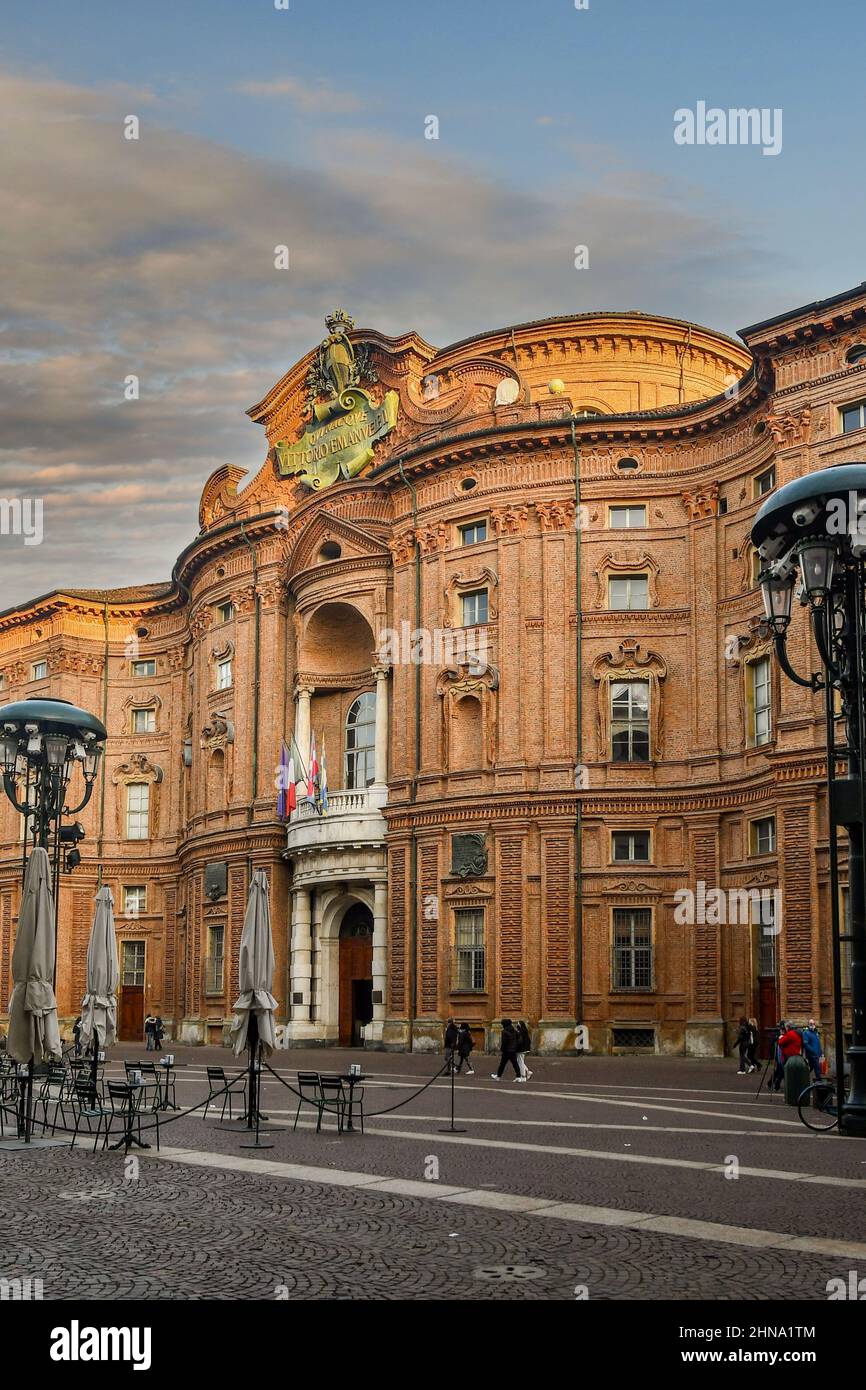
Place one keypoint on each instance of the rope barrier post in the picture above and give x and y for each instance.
(452, 1128)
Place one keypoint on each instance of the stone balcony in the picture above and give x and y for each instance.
(353, 818)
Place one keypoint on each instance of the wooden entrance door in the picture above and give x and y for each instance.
(130, 1023)
(768, 1015)
(356, 974)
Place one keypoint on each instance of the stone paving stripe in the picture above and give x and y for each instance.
(685, 1227)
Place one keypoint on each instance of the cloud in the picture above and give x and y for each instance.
(155, 257)
(313, 99)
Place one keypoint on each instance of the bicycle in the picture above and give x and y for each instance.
(817, 1106)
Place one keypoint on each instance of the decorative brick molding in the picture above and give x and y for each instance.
(626, 562)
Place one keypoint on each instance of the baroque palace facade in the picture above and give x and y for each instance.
(509, 588)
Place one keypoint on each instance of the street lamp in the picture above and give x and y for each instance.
(41, 743)
(812, 534)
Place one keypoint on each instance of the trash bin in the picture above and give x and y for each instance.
(797, 1078)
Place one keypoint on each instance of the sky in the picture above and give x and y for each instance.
(307, 127)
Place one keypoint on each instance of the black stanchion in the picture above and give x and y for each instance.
(452, 1128)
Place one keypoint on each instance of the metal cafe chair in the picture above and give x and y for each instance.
(333, 1098)
(87, 1106)
(310, 1094)
(53, 1091)
(218, 1084)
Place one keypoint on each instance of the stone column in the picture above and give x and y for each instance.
(302, 733)
(381, 746)
(301, 965)
(374, 1031)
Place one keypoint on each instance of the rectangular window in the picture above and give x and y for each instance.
(762, 835)
(853, 417)
(765, 482)
(629, 720)
(628, 591)
(142, 669)
(630, 846)
(723, 506)
(474, 608)
(134, 900)
(224, 675)
(632, 948)
(764, 926)
(39, 670)
(144, 721)
(473, 532)
(225, 612)
(469, 948)
(627, 518)
(132, 963)
(137, 810)
(759, 701)
(215, 965)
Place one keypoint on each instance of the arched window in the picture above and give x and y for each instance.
(360, 742)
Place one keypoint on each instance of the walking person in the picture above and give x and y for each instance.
(752, 1050)
(508, 1049)
(76, 1035)
(450, 1044)
(524, 1043)
(158, 1033)
(742, 1042)
(812, 1049)
(465, 1044)
(149, 1027)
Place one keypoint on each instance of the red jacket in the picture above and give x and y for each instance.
(790, 1044)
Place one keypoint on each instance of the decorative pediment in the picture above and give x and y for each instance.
(220, 495)
(467, 584)
(466, 681)
(138, 768)
(325, 529)
(626, 562)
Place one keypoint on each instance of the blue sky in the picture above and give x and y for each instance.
(306, 127)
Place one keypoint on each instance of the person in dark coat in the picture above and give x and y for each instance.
(742, 1042)
(465, 1044)
(76, 1035)
(158, 1033)
(450, 1042)
(508, 1049)
(524, 1043)
(149, 1027)
(752, 1050)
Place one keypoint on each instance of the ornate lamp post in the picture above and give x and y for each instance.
(810, 540)
(41, 742)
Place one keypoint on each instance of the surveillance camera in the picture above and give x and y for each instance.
(805, 515)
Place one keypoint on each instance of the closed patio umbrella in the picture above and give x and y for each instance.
(34, 1035)
(253, 1021)
(99, 1005)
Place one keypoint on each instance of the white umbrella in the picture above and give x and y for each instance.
(256, 971)
(33, 1031)
(99, 1005)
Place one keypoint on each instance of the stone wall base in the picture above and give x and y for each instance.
(705, 1038)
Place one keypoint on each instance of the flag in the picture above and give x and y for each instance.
(313, 773)
(291, 790)
(282, 772)
(323, 783)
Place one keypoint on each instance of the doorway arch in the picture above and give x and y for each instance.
(356, 974)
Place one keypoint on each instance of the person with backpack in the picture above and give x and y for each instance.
(812, 1049)
(508, 1049)
(465, 1044)
(524, 1043)
(450, 1044)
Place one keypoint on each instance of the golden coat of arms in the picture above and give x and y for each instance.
(343, 421)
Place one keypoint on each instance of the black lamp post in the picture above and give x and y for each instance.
(809, 535)
(41, 742)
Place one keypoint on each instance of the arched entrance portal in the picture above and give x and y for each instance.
(356, 973)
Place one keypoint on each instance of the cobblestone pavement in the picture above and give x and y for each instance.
(652, 1138)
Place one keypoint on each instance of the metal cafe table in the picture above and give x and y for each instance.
(352, 1079)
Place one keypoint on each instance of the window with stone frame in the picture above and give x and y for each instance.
(473, 532)
(215, 960)
(629, 721)
(630, 846)
(469, 953)
(134, 899)
(762, 835)
(632, 952)
(474, 608)
(137, 810)
(630, 517)
(629, 592)
(143, 721)
(759, 693)
(360, 746)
